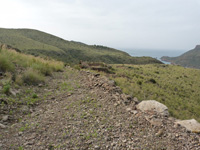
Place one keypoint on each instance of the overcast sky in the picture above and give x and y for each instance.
(142, 24)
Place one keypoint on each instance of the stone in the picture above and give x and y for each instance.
(96, 147)
(135, 99)
(40, 85)
(135, 112)
(96, 75)
(5, 118)
(128, 109)
(2, 126)
(156, 122)
(111, 83)
(126, 99)
(191, 125)
(152, 105)
(12, 92)
(160, 132)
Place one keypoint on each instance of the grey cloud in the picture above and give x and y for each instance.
(159, 24)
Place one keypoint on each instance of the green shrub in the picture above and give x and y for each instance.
(152, 81)
(45, 69)
(34, 95)
(33, 77)
(6, 88)
(19, 80)
(139, 82)
(6, 64)
(77, 67)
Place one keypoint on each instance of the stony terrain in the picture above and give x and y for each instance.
(84, 110)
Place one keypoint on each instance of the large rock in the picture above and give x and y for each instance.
(191, 125)
(152, 105)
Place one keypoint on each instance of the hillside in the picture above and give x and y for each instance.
(189, 59)
(78, 109)
(39, 43)
(175, 86)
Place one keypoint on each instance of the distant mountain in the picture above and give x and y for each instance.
(43, 44)
(189, 59)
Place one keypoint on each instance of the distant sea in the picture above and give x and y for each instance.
(154, 53)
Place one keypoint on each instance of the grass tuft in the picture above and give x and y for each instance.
(33, 77)
(5, 64)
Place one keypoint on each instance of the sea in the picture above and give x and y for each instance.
(154, 53)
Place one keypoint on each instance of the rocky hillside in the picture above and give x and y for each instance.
(189, 59)
(38, 43)
(84, 110)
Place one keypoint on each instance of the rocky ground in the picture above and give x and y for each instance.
(84, 110)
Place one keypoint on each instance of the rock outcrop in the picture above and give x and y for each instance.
(152, 105)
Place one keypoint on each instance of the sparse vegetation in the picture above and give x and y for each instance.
(174, 86)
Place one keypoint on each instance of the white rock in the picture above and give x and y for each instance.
(191, 125)
(128, 109)
(152, 105)
(5, 118)
(2, 126)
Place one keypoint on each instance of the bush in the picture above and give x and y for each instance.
(34, 96)
(45, 69)
(5, 64)
(33, 77)
(152, 81)
(19, 80)
(139, 82)
(6, 88)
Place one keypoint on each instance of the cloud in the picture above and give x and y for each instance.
(166, 24)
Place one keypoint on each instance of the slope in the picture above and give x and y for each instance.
(39, 43)
(78, 110)
(189, 59)
(91, 114)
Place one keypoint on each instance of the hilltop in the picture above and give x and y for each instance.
(39, 43)
(189, 59)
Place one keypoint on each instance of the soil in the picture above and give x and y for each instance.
(85, 110)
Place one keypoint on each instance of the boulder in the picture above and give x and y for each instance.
(152, 105)
(191, 125)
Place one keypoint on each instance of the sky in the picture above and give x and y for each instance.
(121, 24)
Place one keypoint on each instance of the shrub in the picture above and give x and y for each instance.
(6, 88)
(139, 82)
(5, 64)
(45, 69)
(33, 77)
(19, 80)
(152, 81)
(77, 67)
(34, 95)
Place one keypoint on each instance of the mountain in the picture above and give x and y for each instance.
(189, 59)
(43, 44)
